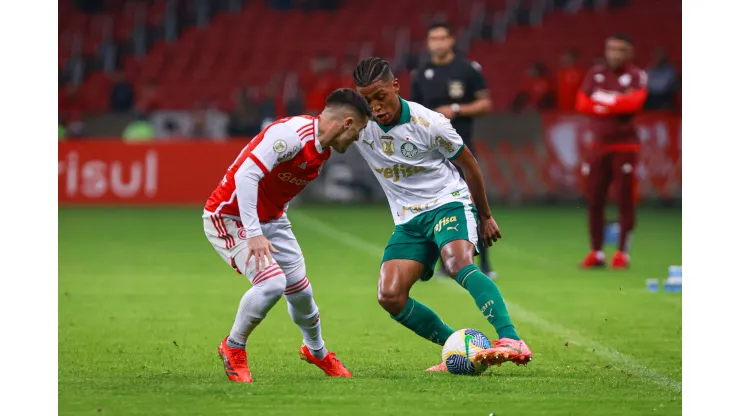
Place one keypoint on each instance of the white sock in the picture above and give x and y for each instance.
(304, 312)
(254, 306)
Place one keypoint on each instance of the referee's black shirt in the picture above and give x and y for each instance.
(456, 82)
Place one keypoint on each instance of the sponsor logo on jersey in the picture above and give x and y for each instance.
(456, 90)
(370, 144)
(442, 142)
(456, 193)
(409, 149)
(444, 222)
(398, 171)
(288, 177)
(387, 143)
(419, 120)
(286, 155)
(416, 208)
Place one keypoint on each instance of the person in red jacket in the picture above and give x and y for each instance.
(611, 95)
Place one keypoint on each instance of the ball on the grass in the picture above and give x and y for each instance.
(460, 348)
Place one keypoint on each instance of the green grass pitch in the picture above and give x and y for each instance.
(144, 301)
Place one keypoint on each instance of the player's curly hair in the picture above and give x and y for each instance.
(370, 70)
(350, 98)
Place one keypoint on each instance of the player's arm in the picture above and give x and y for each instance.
(595, 102)
(482, 103)
(584, 103)
(629, 102)
(450, 144)
(276, 142)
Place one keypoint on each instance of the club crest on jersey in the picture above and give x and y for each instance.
(456, 89)
(625, 80)
(242, 234)
(388, 147)
(280, 146)
(409, 149)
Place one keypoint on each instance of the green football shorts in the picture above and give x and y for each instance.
(423, 237)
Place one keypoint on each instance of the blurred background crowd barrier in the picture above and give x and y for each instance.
(156, 98)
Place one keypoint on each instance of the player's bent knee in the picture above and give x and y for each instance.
(393, 303)
(273, 286)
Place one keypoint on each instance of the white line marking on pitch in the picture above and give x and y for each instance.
(626, 361)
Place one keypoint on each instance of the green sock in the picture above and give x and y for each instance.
(424, 322)
(488, 298)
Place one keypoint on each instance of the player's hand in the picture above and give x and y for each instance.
(261, 248)
(446, 111)
(489, 231)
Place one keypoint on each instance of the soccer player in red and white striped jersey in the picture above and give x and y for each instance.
(246, 222)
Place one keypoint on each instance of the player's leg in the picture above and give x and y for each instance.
(409, 257)
(598, 178)
(456, 233)
(302, 307)
(623, 170)
(224, 235)
(267, 287)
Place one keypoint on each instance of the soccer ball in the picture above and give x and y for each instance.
(460, 348)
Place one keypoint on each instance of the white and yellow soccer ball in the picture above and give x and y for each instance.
(460, 348)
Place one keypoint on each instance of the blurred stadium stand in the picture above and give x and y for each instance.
(214, 69)
(200, 51)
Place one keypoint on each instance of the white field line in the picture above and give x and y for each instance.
(625, 361)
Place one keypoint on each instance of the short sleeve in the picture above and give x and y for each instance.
(476, 80)
(445, 138)
(278, 144)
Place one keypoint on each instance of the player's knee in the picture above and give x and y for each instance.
(454, 264)
(272, 287)
(393, 302)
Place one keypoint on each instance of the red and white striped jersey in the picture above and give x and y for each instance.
(283, 158)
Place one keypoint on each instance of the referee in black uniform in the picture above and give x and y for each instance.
(455, 87)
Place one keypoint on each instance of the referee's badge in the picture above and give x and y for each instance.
(456, 89)
(429, 73)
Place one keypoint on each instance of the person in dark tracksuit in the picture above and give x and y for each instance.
(455, 87)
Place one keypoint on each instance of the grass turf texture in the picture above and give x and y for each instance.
(144, 301)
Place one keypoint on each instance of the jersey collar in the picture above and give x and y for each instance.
(405, 117)
(316, 134)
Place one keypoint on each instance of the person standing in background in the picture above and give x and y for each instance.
(569, 80)
(454, 87)
(610, 96)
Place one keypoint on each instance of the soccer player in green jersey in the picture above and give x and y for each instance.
(436, 213)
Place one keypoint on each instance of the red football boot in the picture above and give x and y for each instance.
(439, 368)
(503, 350)
(594, 259)
(235, 363)
(330, 364)
(620, 261)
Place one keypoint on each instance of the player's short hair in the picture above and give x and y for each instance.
(440, 25)
(348, 97)
(622, 36)
(370, 70)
